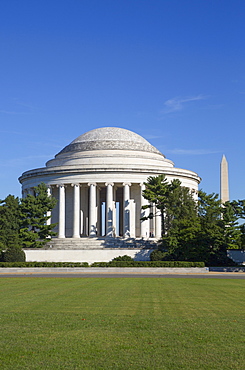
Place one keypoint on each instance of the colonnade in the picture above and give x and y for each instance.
(102, 209)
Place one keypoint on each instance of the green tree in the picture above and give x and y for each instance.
(236, 211)
(242, 228)
(170, 200)
(239, 208)
(233, 230)
(34, 210)
(183, 225)
(179, 216)
(9, 221)
(24, 222)
(211, 240)
(10, 243)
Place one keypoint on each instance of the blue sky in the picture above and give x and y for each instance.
(169, 70)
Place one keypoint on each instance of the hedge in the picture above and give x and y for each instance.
(105, 264)
(148, 264)
(44, 264)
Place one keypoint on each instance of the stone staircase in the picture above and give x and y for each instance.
(101, 243)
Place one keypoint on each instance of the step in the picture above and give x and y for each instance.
(100, 243)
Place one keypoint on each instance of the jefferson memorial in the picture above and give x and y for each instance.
(98, 181)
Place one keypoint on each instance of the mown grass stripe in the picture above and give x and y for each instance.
(119, 323)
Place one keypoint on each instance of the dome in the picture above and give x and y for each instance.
(110, 138)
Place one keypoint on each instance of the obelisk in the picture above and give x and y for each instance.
(224, 180)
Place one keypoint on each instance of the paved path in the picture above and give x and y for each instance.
(75, 275)
(117, 273)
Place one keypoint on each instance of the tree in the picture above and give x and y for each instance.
(242, 228)
(235, 210)
(10, 242)
(9, 221)
(23, 222)
(211, 240)
(156, 192)
(34, 214)
(172, 201)
(239, 208)
(233, 231)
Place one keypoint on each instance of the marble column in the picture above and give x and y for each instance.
(24, 193)
(92, 210)
(98, 211)
(49, 192)
(144, 225)
(114, 214)
(31, 191)
(132, 225)
(158, 223)
(109, 210)
(76, 211)
(126, 215)
(61, 225)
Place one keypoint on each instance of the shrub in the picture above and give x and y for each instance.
(14, 254)
(123, 258)
(157, 255)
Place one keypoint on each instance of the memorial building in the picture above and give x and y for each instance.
(98, 181)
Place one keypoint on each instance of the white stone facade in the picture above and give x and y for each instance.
(85, 255)
(98, 180)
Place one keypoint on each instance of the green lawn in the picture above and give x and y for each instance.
(122, 323)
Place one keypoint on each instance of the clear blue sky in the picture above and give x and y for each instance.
(172, 71)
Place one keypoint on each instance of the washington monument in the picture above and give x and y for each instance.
(224, 180)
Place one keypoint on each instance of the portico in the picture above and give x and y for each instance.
(101, 209)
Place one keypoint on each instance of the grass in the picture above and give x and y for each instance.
(122, 323)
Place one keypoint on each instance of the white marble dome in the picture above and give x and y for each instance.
(110, 138)
(111, 148)
(108, 153)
